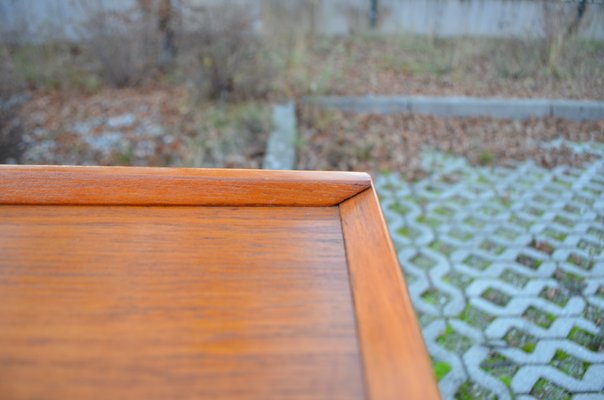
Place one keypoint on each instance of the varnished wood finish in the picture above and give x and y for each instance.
(175, 186)
(180, 303)
(120, 283)
(396, 363)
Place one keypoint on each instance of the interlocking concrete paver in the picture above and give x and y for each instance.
(506, 270)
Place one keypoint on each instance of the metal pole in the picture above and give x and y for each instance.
(373, 14)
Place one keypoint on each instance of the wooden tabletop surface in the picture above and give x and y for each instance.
(119, 283)
(178, 302)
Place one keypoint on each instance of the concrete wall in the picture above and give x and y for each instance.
(43, 19)
(39, 20)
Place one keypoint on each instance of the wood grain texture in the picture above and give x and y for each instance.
(194, 303)
(395, 360)
(173, 186)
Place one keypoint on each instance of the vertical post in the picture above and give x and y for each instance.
(373, 14)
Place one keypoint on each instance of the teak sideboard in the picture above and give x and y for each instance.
(158, 283)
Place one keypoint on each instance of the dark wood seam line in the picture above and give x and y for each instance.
(167, 205)
(363, 188)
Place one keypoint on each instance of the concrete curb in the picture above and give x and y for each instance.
(281, 148)
(461, 106)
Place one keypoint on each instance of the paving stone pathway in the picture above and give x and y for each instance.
(506, 270)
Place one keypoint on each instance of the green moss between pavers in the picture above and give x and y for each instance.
(546, 390)
(528, 261)
(476, 317)
(583, 200)
(477, 262)
(565, 183)
(514, 219)
(507, 380)
(598, 233)
(459, 200)
(520, 340)
(597, 181)
(496, 296)
(586, 339)
(430, 221)
(506, 233)
(555, 295)
(534, 211)
(453, 341)
(492, 247)
(390, 187)
(564, 221)
(420, 200)
(444, 211)
(474, 222)
(553, 190)
(505, 201)
(514, 278)
(572, 282)
(461, 235)
(593, 249)
(500, 367)
(434, 297)
(458, 279)
(472, 391)
(543, 200)
(408, 232)
(572, 209)
(554, 234)
(441, 369)
(400, 209)
(489, 210)
(425, 319)
(486, 158)
(483, 179)
(423, 261)
(569, 364)
(442, 247)
(538, 317)
(433, 189)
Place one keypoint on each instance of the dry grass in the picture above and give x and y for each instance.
(360, 65)
(125, 44)
(223, 55)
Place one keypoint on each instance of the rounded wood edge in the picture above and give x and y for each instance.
(395, 358)
(235, 172)
(93, 185)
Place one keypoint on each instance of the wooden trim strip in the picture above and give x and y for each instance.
(395, 359)
(175, 186)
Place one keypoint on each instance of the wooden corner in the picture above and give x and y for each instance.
(395, 359)
(175, 186)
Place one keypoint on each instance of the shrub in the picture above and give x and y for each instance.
(223, 54)
(126, 43)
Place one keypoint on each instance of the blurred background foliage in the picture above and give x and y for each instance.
(210, 59)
